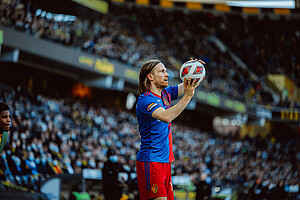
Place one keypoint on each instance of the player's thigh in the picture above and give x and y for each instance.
(151, 180)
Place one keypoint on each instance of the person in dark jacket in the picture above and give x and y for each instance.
(112, 187)
(203, 189)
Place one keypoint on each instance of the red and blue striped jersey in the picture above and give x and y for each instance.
(156, 136)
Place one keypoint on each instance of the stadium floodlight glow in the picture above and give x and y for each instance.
(263, 4)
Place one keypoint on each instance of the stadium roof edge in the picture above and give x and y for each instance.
(196, 5)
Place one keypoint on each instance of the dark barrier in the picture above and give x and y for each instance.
(9, 191)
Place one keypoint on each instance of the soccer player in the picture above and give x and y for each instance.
(4, 124)
(154, 114)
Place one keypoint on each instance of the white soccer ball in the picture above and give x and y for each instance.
(193, 69)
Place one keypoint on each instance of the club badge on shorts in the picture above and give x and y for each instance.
(154, 188)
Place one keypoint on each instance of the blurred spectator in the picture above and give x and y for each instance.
(5, 171)
(112, 187)
(257, 191)
(203, 189)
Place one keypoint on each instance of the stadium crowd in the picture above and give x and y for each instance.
(139, 34)
(271, 50)
(52, 136)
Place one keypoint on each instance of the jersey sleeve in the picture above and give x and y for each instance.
(173, 91)
(147, 105)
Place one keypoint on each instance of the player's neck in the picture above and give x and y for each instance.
(156, 90)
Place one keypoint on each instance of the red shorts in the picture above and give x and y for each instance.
(154, 180)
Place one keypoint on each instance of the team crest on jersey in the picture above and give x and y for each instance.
(166, 102)
(154, 188)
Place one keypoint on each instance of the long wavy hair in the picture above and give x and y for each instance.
(144, 82)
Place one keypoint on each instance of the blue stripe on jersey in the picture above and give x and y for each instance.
(147, 175)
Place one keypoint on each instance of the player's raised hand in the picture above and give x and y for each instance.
(201, 61)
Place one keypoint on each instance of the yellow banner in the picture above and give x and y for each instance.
(131, 74)
(222, 8)
(251, 10)
(97, 5)
(254, 130)
(143, 2)
(289, 114)
(284, 87)
(290, 86)
(104, 66)
(194, 5)
(166, 4)
(277, 80)
(239, 107)
(282, 11)
(86, 60)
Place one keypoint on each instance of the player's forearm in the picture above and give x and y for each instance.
(173, 112)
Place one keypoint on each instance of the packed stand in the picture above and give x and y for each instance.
(63, 136)
(274, 49)
(267, 46)
(133, 35)
(58, 136)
